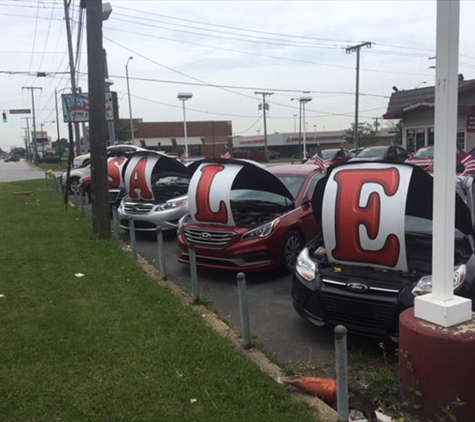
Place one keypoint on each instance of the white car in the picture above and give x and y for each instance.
(74, 176)
(116, 150)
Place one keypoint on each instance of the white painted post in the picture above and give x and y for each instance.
(441, 306)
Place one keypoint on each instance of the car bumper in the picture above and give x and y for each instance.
(151, 220)
(374, 315)
(251, 256)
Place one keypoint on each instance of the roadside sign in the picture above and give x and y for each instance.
(20, 111)
(76, 107)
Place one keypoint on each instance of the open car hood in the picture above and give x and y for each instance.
(362, 208)
(138, 170)
(209, 198)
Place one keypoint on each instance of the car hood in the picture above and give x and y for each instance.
(213, 180)
(362, 208)
(138, 170)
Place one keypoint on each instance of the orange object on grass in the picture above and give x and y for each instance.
(324, 388)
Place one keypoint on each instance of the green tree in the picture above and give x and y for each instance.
(61, 147)
(366, 134)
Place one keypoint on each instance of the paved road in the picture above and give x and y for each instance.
(22, 170)
(277, 327)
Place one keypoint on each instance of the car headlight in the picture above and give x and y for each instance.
(305, 267)
(174, 203)
(424, 285)
(262, 231)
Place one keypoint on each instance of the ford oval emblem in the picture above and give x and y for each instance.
(205, 236)
(357, 287)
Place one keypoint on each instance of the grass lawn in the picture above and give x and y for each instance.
(112, 345)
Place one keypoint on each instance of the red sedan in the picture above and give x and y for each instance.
(424, 158)
(248, 218)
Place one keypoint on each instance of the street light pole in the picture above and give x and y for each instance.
(183, 96)
(304, 99)
(295, 127)
(130, 104)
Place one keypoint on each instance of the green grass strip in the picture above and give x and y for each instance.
(112, 345)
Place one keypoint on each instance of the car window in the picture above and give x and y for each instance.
(172, 181)
(401, 151)
(292, 182)
(424, 153)
(373, 152)
(327, 154)
(312, 184)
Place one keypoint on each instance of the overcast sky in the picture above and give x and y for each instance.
(262, 45)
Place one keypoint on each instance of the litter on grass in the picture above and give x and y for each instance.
(79, 275)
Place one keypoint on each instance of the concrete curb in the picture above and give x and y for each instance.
(322, 412)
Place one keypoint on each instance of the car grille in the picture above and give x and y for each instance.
(137, 207)
(217, 239)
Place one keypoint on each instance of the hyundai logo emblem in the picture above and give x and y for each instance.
(205, 236)
(357, 287)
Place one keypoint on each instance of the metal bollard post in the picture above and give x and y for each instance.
(115, 222)
(86, 205)
(341, 373)
(244, 310)
(161, 254)
(194, 275)
(133, 241)
(81, 204)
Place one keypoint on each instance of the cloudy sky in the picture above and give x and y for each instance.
(222, 52)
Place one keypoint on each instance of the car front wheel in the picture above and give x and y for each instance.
(73, 185)
(292, 247)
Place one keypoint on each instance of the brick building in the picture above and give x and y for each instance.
(205, 138)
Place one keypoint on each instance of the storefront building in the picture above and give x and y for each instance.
(204, 139)
(415, 108)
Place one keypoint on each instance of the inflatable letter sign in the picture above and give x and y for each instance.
(114, 172)
(363, 215)
(210, 193)
(138, 176)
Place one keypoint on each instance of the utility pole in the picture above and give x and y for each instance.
(72, 70)
(32, 89)
(97, 121)
(264, 108)
(28, 153)
(349, 50)
(57, 116)
(376, 124)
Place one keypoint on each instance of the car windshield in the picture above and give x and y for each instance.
(424, 153)
(373, 152)
(423, 226)
(327, 154)
(172, 181)
(293, 183)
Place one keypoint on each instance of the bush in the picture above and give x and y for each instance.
(49, 159)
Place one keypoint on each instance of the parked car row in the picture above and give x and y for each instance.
(239, 215)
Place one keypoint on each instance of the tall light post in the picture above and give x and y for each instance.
(295, 127)
(183, 96)
(300, 118)
(303, 100)
(128, 94)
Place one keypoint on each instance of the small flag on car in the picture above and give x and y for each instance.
(183, 156)
(225, 152)
(469, 162)
(320, 162)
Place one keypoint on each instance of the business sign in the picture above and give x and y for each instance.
(20, 111)
(76, 107)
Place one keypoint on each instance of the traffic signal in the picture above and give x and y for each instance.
(4, 116)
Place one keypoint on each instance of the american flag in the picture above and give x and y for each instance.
(469, 162)
(225, 152)
(319, 161)
(425, 164)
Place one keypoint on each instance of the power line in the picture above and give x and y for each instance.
(261, 55)
(250, 88)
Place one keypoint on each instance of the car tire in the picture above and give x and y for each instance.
(293, 244)
(73, 185)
